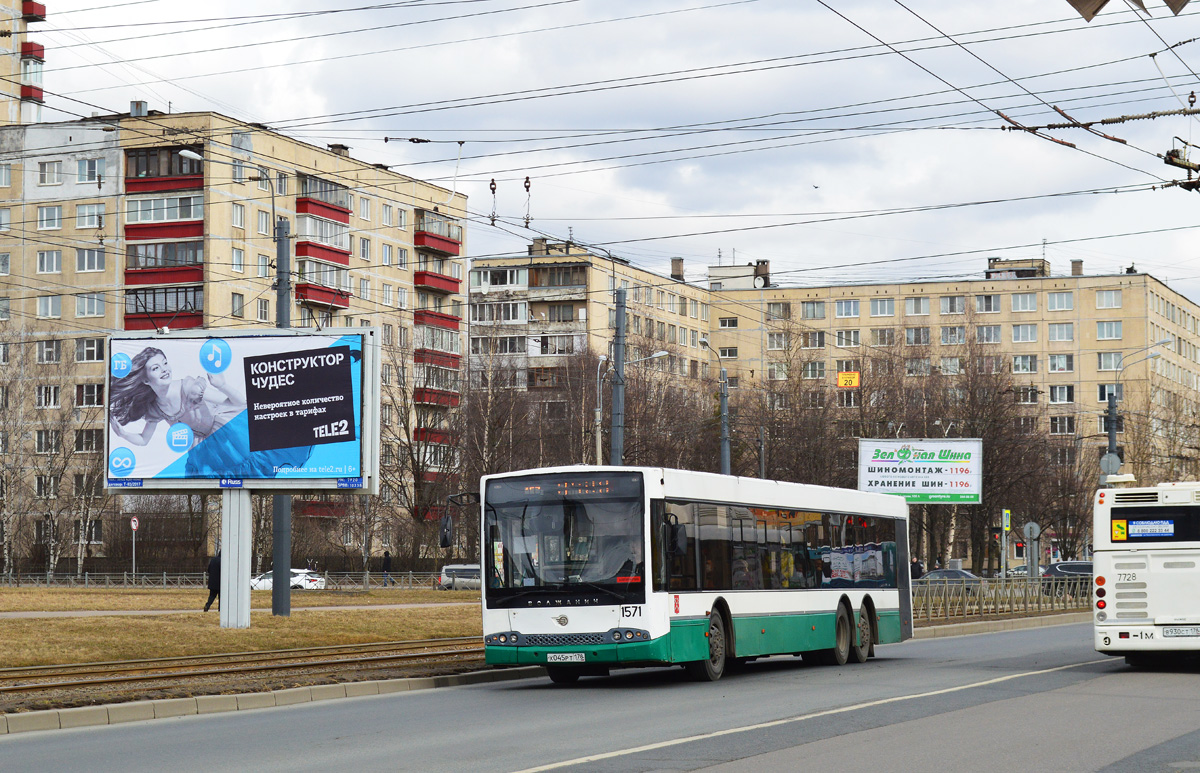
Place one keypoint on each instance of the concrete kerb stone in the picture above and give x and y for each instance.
(992, 626)
(293, 696)
(326, 692)
(361, 689)
(130, 712)
(33, 720)
(213, 704)
(174, 707)
(255, 700)
(84, 716)
(3, 724)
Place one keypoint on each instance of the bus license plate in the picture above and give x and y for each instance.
(1190, 630)
(564, 657)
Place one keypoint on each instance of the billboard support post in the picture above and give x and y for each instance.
(235, 558)
(281, 504)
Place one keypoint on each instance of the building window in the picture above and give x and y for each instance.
(916, 307)
(49, 351)
(813, 370)
(1108, 299)
(812, 309)
(90, 170)
(1024, 363)
(89, 305)
(89, 260)
(166, 209)
(49, 218)
(1061, 363)
(364, 208)
(239, 260)
(89, 395)
(162, 162)
(1062, 393)
(1120, 424)
(987, 304)
(1026, 395)
(5, 175)
(989, 364)
(264, 310)
(1026, 425)
(264, 265)
(1062, 331)
(238, 306)
(49, 262)
(883, 336)
(1108, 331)
(1108, 360)
(987, 334)
(1106, 389)
(917, 366)
(727, 352)
(364, 289)
(1024, 334)
(89, 350)
(281, 185)
(777, 371)
(386, 256)
(89, 216)
(775, 341)
(264, 223)
(950, 366)
(47, 396)
(954, 336)
(954, 304)
(88, 441)
(364, 248)
(239, 216)
(883, 307)
(812, 339)
(847, 308)
(385, 214)
(916, 336)
(47, 441)
(775, 310)
(49, 306)
(1024, 302)
(727, 322)
(50, 173)
(1060, 301)
(847, 338)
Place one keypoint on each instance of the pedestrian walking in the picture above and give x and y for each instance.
(214, 580)
(387, 568)
(916, 571)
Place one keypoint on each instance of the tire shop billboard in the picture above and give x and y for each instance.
(243, 410)
(923, 471)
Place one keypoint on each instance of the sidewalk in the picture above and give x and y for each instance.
(127, 612)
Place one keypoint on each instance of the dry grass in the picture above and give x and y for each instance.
(79, 599)
(44, 641)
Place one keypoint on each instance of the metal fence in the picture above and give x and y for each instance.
(334, 581)
(960, 599)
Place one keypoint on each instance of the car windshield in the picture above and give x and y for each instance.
(568, 536)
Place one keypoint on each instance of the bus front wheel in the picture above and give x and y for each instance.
(563, 674)
(713, 668)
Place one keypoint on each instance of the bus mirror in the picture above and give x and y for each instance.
(446, 532)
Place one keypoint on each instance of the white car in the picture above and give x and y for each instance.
(302, 579)
(459, 577)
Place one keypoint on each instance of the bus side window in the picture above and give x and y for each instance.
(678, 568)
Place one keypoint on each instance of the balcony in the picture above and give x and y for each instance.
(179, 182)
(165, 275)
(312, 206)
(438, 283)
(33, 51)
(436, 319)
(176, 320)
(31, 11)
(307, 292)
(32, 93)
(437, 397)
(434, 357)
(437, 234)
(439, 436)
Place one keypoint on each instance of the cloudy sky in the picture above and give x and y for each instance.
(841, 141)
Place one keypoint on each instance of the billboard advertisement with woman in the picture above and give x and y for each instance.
(259, 407)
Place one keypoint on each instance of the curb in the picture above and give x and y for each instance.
(115, 713)
(992, 626)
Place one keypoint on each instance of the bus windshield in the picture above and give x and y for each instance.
(571, 538)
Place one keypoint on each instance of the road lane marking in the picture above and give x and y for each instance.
(801, 718)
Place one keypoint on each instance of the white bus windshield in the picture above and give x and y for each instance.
(550, 536)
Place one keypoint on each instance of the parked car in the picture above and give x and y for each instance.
(459, 577)
(954, 577)
(1065, 577)
(1022, 571)
(302, 579)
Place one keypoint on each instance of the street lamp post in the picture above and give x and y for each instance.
(599, 407)
(1112, 402)
(725, 462)
(281, 504)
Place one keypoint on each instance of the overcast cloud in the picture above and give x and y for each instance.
(765, 129)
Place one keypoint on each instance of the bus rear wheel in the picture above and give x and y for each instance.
(862, 649)
(839, 653)
(563, 674)
(711, 669)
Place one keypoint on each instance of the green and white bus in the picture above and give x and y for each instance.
(591, 568)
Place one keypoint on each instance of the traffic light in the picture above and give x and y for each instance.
(996, 530)
(1020, 553)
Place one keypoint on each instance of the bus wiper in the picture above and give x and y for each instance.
(601, 588)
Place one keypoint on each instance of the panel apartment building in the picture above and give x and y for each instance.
(107, 225)
(1066, 341)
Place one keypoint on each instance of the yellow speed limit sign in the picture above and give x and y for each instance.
(848, 379)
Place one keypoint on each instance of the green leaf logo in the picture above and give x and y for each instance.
(904, 453)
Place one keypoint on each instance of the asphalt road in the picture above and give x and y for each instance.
(1033, 700)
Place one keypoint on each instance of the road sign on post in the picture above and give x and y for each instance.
(1007, 527)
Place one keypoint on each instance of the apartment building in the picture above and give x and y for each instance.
(1065, 341)
(110, 223)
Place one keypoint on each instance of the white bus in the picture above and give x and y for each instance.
(591, 568)
(1146, 571)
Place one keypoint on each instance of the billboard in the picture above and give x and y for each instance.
(256, 410)
(923, 471)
